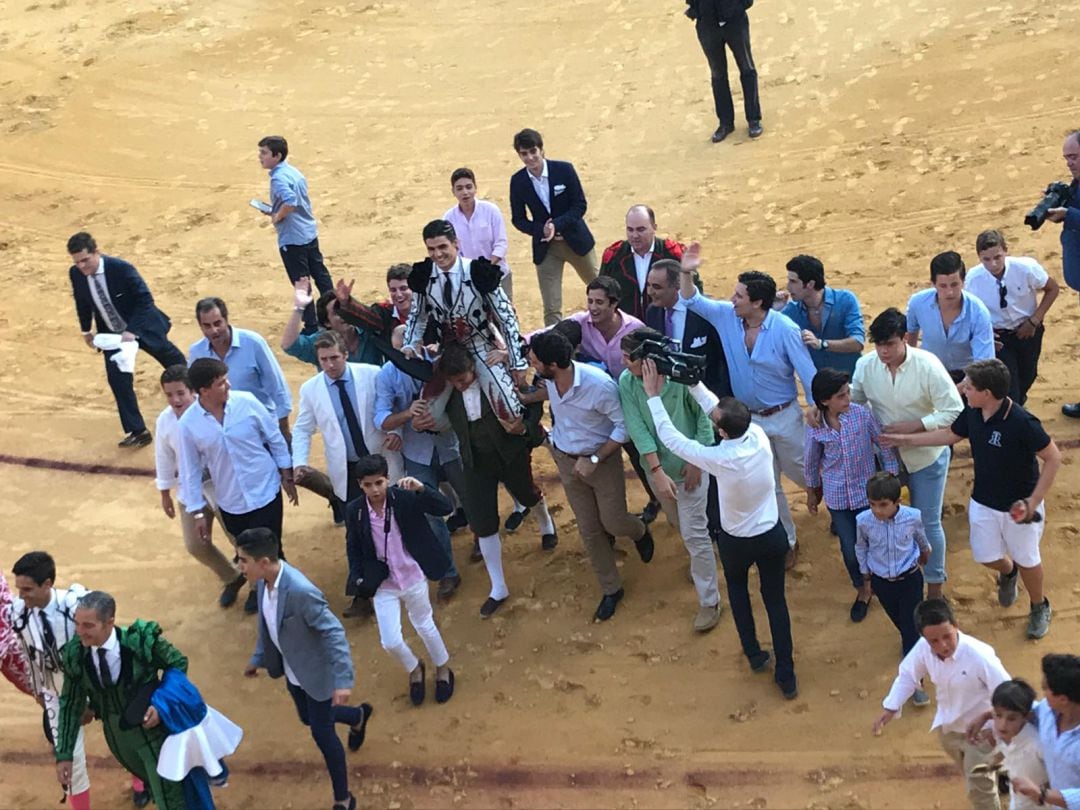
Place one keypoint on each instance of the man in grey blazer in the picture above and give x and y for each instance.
(300, 638)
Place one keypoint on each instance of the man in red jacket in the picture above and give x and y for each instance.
(628, 260)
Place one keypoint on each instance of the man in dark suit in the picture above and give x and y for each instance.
(110, 294)
(628, 261)
(723, 23)
(548, 203)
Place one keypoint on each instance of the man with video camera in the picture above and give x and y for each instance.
(1069, 216)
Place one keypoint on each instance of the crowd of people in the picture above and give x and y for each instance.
(431, 401)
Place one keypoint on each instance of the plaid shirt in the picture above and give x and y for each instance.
(841, 462)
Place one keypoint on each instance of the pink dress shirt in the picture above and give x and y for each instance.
(405, 572)
(594, 344)
(482, 235)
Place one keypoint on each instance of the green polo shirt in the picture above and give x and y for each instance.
(685, 414)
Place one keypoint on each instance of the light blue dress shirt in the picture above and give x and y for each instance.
(1061, 754)
(243, 455)
(765, 378)
(289, 187)
(888, 548)
(252, 368)
(339, 411)
(970, 337)
(588, 414)
(394, 392)
(841, 318)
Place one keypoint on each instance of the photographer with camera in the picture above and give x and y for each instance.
(764, 351)
(682, 489)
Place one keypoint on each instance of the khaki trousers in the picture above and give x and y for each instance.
(205, 551)
(599, 504)
(549, 276)
(981, 788)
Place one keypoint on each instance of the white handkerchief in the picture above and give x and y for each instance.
(559, 188)
(125, 357)
(107, 341)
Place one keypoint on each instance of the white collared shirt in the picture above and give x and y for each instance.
(98, 303)
(470, 397)
(451, 277)
(269, 608)
(641, 267)
(588, 414)
(1022, 278)
(1023, 757)
(963, 682)
(112, 657)
(541, 187)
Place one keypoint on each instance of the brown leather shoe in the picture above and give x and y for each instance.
(447, 586)
(792, 557)
(358, 608)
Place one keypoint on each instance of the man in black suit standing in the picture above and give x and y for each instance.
(110, 293)
(548, 203)
(722, 23)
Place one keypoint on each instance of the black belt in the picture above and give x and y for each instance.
(773, 409)
(573, 455)
(910, 572)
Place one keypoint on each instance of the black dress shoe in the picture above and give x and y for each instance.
(349, 805)
(645, 546)
(490, 606)
(447, 586)
(231, 591)
(444, 690)
(760, 662)
(721, 133)
(859, 609)
(360, 607)
(140, 798)
(756, 129)
(456, 521)
(549, 541)
(139, 438)
(606, 609)
(649, 513)
(359, 731)
(790, 689)
(477, 555)
(418, 689)
(1071, 409)
(514, 519)
(251, 605)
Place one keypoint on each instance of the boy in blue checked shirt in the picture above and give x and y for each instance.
(891, 547)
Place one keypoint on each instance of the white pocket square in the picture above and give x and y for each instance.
(698, 342)
(560, 188)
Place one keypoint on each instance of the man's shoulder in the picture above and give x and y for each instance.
(781, 321)
(921, 297)
(976, 303)
(843, 297)
(167, 418)
(116, 264)
(587, 371)
(364, 373)
(251, 336)
(908, 513)
(670, 249)
(615, 249)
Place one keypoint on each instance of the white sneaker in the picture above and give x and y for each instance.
(920, 698)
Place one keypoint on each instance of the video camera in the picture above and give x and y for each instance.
(676, 366)
(1057, 196)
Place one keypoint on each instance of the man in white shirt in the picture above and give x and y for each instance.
(965, 672)
(480, 227)
(180, 396)
(750, 530)
(586, 443)
(1008, 286)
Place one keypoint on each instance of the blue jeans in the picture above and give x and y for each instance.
(428, 475)
(927, 488)
(320, 716)
(843, 521)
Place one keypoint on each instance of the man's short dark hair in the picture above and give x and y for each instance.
(569, 329)
(632, 340)
(945, 264)
(204, 371)
(276, 144)
(322, 308)
(734, 417)
(204, 305)
(827, 384)
(528, 139)
(330, 340)
(1062, 673)
(456, 359)
(177, 372)
(889, 324)
(990, 239)
(931, 612)
(103, 605)
(1013, 696)
(259, 542)
(759, 287)
(552, 347)
(671, 270)
(437, 228)
(38, 565)
(989, 375)
(883, 486)
(371, 465)
(808, 268)
(398, 272)
(462, 174)
(607, 285)
(80, 242)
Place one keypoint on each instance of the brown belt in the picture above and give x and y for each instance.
(904, 575)
(773, 409)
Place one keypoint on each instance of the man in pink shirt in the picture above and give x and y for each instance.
(481, 230)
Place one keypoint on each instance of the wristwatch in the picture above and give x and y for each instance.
(198, 515)
(595, 459)
(824, 345)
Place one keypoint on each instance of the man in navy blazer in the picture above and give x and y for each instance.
(548, 203)
(300, 638)
(111, 296)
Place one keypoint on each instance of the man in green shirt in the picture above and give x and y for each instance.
(679, 486)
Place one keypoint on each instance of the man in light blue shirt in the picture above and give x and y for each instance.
(252, 366)
(764, 351)
(955, 325)
(830, 319)
(231, 435)
(290, 213)
(1058, 721)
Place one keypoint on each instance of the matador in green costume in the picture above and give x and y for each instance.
(104, 670)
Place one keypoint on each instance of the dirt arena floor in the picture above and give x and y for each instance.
(892, 132)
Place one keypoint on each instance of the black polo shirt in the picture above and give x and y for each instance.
(1003, 449)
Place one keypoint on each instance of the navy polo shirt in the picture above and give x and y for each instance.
(1003, 449)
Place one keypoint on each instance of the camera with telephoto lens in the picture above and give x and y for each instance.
(1057, 196)
(676, 366)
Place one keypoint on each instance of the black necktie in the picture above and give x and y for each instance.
(447, 292)
(47, 634)
(103, 668)
(355, 433)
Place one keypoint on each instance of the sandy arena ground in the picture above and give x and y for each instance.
(892, 132)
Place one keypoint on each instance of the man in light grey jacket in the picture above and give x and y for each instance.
(300, 638)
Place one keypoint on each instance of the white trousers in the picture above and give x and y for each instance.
(688, 514)
(388, 602)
